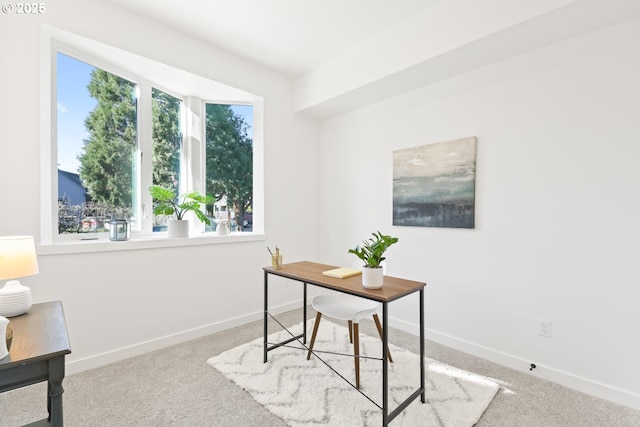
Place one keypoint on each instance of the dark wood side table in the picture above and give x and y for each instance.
(40, 343)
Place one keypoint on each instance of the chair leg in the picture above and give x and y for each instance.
(379, 326)
(351, 331)
(313, 335)
(356, 353)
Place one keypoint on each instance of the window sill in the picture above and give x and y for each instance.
(155, 242)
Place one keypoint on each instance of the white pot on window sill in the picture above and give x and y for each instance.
(178, 228)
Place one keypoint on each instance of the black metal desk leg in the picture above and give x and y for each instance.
(385, 367)
(304, 314)
(266, 306)
(422, 373)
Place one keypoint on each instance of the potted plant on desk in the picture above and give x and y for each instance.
(168, 203)
(371, 252)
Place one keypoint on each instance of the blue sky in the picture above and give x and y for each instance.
(74, 104)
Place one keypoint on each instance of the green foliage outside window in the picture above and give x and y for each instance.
(229, 160)
(167, 139)
(107, 163)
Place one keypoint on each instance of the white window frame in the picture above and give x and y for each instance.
(193, 157)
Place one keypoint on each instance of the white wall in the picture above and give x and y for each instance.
(119, 304)
(557, 207)
(556, 234)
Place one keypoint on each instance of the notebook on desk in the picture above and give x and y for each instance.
(342, 272)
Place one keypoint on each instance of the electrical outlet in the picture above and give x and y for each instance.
(544, 328)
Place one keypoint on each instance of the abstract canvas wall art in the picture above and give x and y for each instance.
(434, 185)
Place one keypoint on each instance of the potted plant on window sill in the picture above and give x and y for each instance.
(371, 252)
(168, 203)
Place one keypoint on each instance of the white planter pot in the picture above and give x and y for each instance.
(178, 228)
(372, 278)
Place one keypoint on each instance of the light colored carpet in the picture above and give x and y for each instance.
(307, 393)
(174, 387)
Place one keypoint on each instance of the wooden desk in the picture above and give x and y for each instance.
(394, 288)
(40, 343)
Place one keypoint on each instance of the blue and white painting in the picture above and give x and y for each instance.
(434, 185)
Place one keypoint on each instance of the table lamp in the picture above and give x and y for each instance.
(17, 259)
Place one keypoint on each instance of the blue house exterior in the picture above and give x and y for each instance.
(70, 188)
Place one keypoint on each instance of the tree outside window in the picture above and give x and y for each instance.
(229, 163)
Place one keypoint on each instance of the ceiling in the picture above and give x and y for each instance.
(344, 54)
(290, 36)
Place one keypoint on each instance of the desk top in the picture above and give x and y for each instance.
(311, 272)
(40, 333)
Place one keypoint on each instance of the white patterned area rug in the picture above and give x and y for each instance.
(307, 393)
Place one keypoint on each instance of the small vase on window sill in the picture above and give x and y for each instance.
(222, 227)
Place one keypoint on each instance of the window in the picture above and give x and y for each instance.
(97, 143)
(229, 163)
(114, 133)
(167, 145)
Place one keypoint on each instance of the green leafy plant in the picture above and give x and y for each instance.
(371, 251)
(168, 203)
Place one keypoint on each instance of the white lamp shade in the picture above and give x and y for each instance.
(17, 257)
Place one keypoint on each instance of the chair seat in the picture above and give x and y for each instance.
(344, 307)
(351, 309)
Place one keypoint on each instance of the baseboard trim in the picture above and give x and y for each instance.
(102, 359)
(584, 385)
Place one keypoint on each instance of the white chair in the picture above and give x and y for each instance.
(349, 308)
